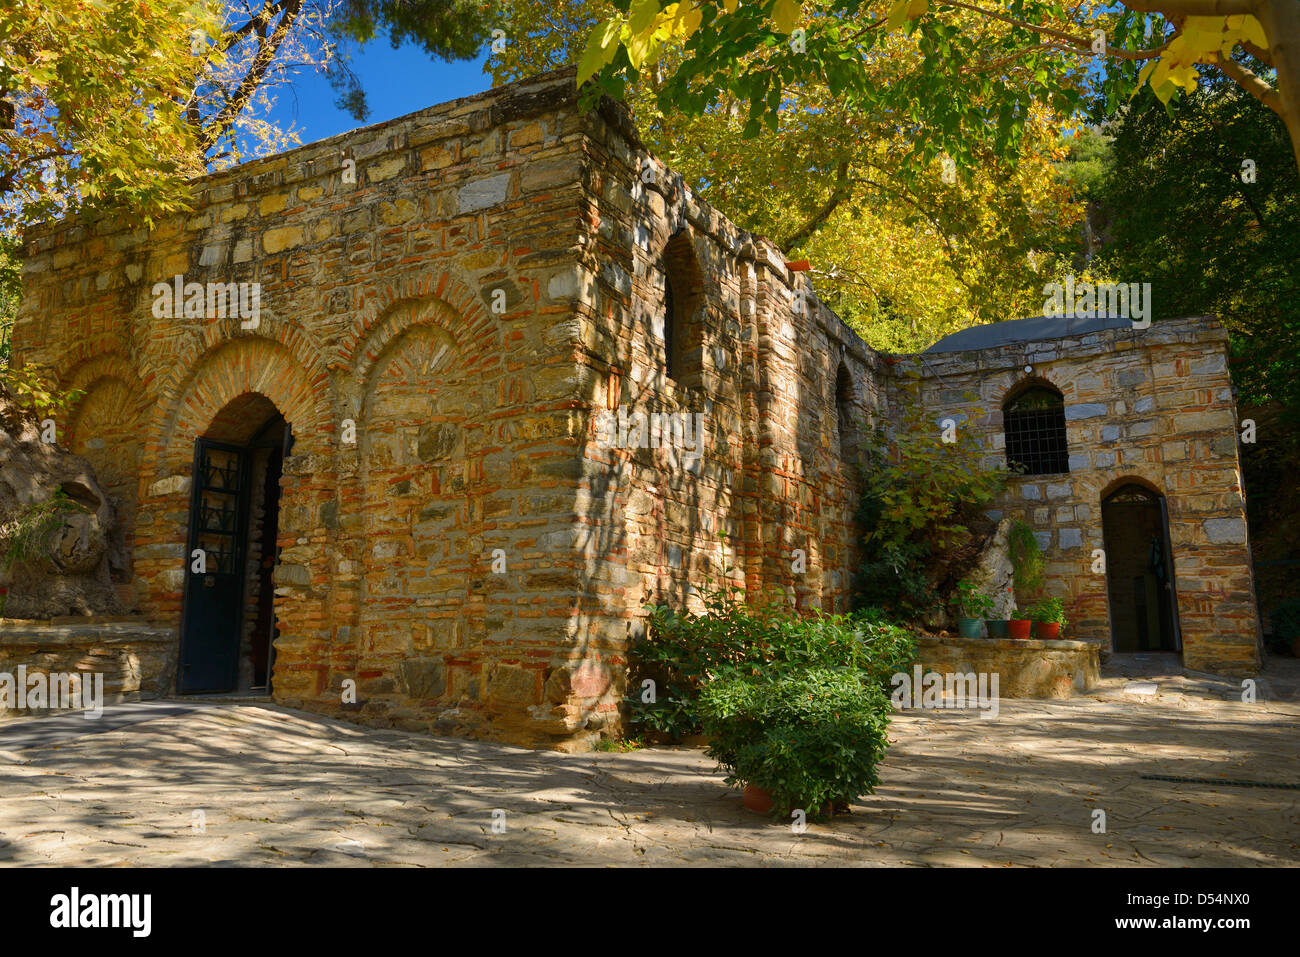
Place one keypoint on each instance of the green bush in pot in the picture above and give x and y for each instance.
(682, 652)
(972, 608)
(809, 738)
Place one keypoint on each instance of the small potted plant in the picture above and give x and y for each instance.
(997, 627)
(1019, 624)
(1048, 615)
(972, 608)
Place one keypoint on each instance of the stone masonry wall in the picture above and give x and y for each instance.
(1153, 405)
(454, 305)
(377, 304)
(765, 498)
(476, 561)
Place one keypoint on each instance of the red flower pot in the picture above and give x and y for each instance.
(1047, 630)
(1018, 628)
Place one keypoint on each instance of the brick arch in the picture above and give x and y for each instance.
(420, 396)
(90, 373)
(196, 349)
(396, 324)
(248, 364)
(91, 358)
(103, 427)
(438, 298)
(1024, 383)
(1105, 491)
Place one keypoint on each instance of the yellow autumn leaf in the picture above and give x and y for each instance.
(897, 14)
(679, 20)
(786, 13)
(641, 15)
(1253, 32)
(1184, 76)
(731, 5)
(916, 8)
(641, 49)
(600, 50)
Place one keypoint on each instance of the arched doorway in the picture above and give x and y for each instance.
(228, 620)
(1139, 571)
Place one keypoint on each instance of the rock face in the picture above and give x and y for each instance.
(71, 574)
(993, 574)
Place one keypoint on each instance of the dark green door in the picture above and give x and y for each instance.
(214, 582)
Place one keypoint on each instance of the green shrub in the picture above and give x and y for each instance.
(923, 501)
(970, 602)
(1049, 610)
(1027, 560)
(807, 738)
(681, 653)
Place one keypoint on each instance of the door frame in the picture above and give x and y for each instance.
(1171, 589)
(239, 550)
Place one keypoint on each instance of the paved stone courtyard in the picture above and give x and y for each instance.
(275, 786)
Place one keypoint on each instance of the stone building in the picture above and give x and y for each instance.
(409, 424)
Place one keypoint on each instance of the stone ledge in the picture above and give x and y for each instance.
(136, 656)
(66, 631)
(1026, 668)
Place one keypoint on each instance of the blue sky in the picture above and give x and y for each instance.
(396, 82)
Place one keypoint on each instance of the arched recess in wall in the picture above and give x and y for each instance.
(1033, 420)
(418, 403)
(681, 316)
(104, 428)
(846, 413)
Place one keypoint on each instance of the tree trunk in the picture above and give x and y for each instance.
(1281, 22)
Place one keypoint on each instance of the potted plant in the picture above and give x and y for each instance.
(1019, 624)
(998, 626)
(1049, 618)
(972, 608)
(798, 740)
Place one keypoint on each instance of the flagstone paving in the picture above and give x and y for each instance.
(239, 783)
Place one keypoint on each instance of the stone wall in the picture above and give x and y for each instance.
(135, 658)
(454, 308)
(476, 560)
(1152, 406)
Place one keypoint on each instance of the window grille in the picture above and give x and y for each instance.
(1035, 432)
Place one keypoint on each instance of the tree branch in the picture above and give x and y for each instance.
(842, 191)
(1251, 83)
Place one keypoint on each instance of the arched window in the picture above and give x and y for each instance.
(1034, 421)
(672, 363)
(683, 335)
(844, 409)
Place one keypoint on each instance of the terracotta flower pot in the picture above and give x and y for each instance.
(759, 800)
(1018, 628)
(1047, 630)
